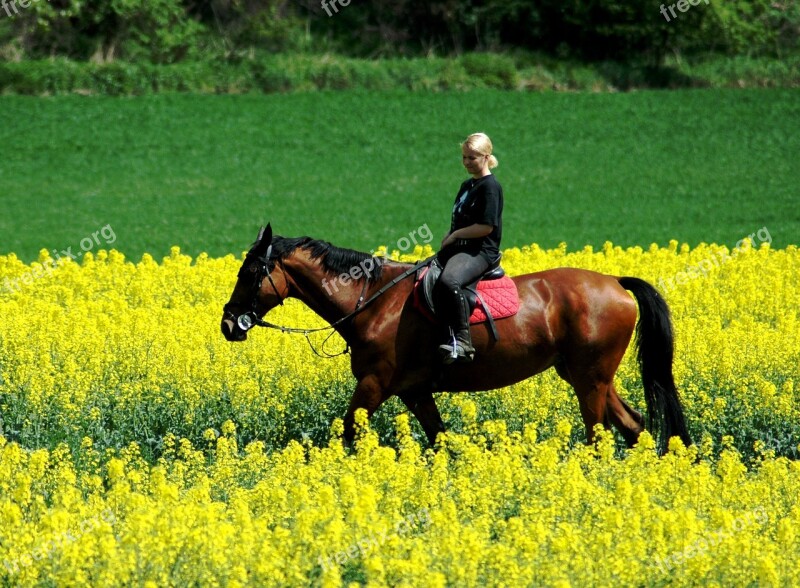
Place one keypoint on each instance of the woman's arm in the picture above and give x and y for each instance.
(475, 231)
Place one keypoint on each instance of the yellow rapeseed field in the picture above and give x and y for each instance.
(139, 448)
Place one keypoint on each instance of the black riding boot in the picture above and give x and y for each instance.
(459, 346)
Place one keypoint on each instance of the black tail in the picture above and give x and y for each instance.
(656, 348)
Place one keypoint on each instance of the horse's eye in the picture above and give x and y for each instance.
(246, 271)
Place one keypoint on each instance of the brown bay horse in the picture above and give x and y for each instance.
(578, 321)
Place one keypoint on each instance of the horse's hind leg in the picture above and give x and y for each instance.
(628, 421)
(600, 403)
(592, 393)
(592, 398)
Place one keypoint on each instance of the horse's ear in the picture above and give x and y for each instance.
(264, 240)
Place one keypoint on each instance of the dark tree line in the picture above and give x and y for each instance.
(168, 31)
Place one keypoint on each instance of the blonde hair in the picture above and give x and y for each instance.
(481, 143)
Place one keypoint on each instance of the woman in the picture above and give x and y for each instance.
(471, 246)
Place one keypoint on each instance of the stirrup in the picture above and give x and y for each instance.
(456, 351)
(466, 351)
(449, 350)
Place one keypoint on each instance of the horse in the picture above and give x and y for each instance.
(577, 321)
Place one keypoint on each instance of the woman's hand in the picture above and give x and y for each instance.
(448, 240)
(475, 231)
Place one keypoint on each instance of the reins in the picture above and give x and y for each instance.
(361, 304)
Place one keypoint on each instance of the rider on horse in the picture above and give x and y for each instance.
(471, 247)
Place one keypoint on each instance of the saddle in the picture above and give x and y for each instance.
(494, 295)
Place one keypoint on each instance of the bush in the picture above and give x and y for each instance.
(754, 28)
(494, 71)
(286, 73)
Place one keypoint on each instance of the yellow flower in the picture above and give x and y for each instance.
(113, 373)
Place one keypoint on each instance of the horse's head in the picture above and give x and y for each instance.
(259, 289)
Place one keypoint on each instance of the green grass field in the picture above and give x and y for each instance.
(365, 169)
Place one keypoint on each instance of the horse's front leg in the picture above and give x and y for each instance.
(423, 406)
(369, 395)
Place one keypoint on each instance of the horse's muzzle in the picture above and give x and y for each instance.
(231, 331)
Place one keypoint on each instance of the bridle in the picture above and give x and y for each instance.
(250, 319)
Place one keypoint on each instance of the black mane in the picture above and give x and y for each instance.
(335, 260)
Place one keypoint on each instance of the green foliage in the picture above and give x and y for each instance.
(300, 72)
(156, 31)
(496, 71)
(605, 29)
(270, 25)
(175, 31)
(744, 71)
(756, 27)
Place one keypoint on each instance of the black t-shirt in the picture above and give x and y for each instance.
(479, 201)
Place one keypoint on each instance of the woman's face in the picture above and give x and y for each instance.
(475, 163)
